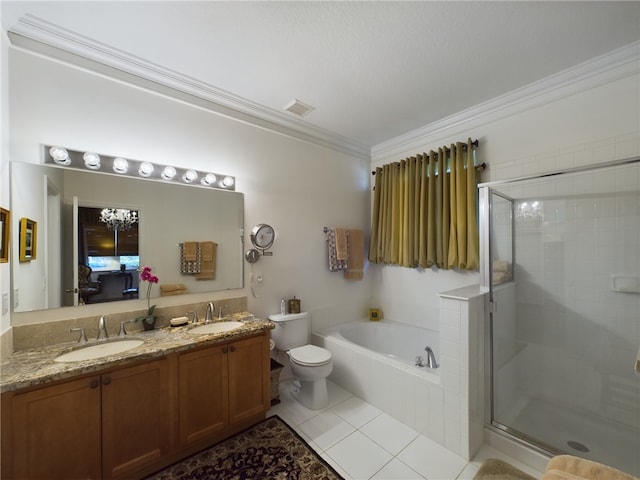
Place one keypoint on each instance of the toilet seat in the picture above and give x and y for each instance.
(310, 356)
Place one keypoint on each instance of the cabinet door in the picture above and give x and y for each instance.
(202, 393)
(249, 380)
(136, 417)
(56, 431)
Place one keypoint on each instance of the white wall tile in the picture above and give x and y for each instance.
(436, 414)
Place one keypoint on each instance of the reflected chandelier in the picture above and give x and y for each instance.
(119, 219)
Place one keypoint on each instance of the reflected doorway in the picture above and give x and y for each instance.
(108, 254)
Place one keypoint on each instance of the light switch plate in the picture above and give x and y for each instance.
(5, 303)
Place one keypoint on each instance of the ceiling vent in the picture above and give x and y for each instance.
(298, 108)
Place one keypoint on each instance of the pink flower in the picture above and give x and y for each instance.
(147, 276)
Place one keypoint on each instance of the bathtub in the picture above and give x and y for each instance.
(375, 361)
(393, 340)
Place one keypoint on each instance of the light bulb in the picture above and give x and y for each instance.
(91, 160)
(168, 173)
(189, 176)
(208, 179)
(228, 181)
(120, 165)
(146, 169)
(60, 155)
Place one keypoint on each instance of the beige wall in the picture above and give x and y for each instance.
(295, 186)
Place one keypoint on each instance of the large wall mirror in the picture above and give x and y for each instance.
(76, 249)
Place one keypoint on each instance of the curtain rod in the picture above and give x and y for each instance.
(482, 167)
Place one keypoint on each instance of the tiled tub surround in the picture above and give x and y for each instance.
(51, 333)
(462, 333)
(398, 388)
(36, 366)
(446, 406)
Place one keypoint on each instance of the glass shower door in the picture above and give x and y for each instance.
(565, 328)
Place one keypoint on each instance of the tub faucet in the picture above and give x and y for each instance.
(102, 329)
(208, 316)
(431, 358)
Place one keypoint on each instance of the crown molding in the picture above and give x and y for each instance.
(39, 36)
(601, 70)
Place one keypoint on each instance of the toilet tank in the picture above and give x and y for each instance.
(292, 330)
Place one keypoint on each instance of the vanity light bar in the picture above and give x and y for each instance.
(63, 157)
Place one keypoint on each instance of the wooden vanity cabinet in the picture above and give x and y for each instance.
(55, 432)
(203, 396)
(137, 418)
(222, 386)
(249, 378)
(103, 426)
(133, 420)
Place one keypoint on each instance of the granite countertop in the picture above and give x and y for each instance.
(28, 368)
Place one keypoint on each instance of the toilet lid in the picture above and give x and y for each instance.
(310, 355)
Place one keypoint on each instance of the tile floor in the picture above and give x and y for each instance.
(362, 443)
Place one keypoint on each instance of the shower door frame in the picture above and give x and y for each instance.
(486, 196)
(485, 191)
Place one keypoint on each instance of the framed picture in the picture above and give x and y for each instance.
(5, 228)
(28, 238)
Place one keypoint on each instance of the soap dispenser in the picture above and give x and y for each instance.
(283, 306)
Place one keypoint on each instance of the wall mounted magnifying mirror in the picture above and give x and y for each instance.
(262, 237)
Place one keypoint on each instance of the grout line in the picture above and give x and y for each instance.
(323, 452)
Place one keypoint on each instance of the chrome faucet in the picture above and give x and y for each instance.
(123, 331)
(83, 338)
(102, 329)
(431, 358)
(194, 316)
(220, 307)
(208, 316)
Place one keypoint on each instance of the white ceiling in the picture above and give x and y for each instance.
(372, 70)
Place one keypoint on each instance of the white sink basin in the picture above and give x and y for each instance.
(217, 327)
(99, 350)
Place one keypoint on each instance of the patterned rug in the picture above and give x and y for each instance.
(270, 450)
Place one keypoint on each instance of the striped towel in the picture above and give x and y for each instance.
(190, 263)
(335, 264)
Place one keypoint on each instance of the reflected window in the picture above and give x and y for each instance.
(103, 241)
(110, 250)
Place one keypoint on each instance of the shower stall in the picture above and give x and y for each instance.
(561, 260)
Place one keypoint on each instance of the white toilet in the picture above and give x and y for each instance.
(310, 365)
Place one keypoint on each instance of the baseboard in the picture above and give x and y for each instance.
(516, 449)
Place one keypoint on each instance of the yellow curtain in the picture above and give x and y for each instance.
(424, 211)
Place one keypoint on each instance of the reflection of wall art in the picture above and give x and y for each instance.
(28, 237)
(5, 228)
